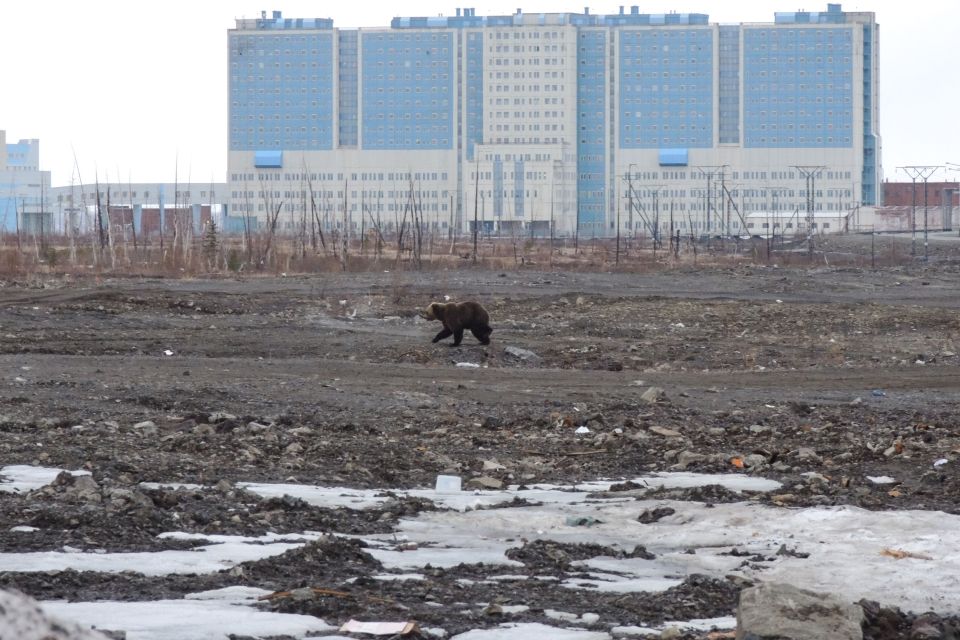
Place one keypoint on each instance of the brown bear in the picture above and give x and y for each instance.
(457, 316)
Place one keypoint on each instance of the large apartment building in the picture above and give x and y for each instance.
(574, 120)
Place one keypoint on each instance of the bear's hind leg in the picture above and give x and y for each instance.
(482, 334)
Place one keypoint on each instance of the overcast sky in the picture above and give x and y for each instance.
(136, 91)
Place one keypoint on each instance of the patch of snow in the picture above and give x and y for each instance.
(525, 631)
(704, 624)
(228, 552)
(22, 477)
(187, 619)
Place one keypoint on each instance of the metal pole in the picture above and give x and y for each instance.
(913, 220)
(476, 193)
(926, 242)
(618, 231)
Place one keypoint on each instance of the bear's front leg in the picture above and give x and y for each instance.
(457, 337)
(444, 333)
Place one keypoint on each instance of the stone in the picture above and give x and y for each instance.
(686, 458)
(776, 611)
(486, 482)
(21, 617)
(806, 453)
(522, 354)
(653, 395)
(491, 422)
(204, 430)
(493, 465)
(665, 432)
(755, 461)
(147, 427)
(293, 449)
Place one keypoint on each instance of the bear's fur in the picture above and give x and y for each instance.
(459, 316)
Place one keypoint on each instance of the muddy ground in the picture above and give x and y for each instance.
(331, 379)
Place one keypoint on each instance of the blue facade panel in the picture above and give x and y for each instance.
(18, 154)
(474, 93)
(268, 159)
(798, 90)
(666, 88)
(407, 90)
(281, 90)
(591, 128)
(673, 157)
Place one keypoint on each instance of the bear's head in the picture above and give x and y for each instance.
(433, 311)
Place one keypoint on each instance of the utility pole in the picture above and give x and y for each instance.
(618, 232)
(476, 194)
(708, 172)
(920, 172)
(810, 173)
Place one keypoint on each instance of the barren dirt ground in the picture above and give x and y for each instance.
(779, 372)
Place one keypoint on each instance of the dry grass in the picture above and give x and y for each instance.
(285, 255)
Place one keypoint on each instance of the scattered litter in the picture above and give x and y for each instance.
(900, 554)
(379, 628)
(582, 430)
(940, 462)
(167, 352)
(737, 462)
(881, 479)
(468, 365)
(448, 484)
(877, 393)
(446, 298)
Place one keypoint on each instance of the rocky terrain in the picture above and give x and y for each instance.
(174, 394)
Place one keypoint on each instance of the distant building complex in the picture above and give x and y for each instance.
(23, 186)
(30, 205)
(573, 121)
